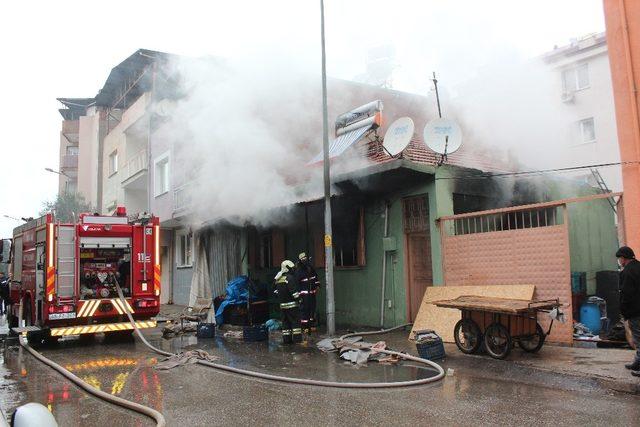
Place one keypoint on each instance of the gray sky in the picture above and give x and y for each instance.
(67, 48)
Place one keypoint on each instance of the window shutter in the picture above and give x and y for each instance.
(277, 247)
(361, 247)
(252, 242)
(318, 249)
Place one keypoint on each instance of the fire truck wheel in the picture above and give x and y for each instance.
(48, 339)
(26, 315)
(118, 336)
(86, 338)
(13, 323)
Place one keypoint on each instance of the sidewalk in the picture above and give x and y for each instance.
(605, 365)
(600, 367)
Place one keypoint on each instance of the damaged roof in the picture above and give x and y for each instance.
(129, 79)
(125, 83)
(75, 107)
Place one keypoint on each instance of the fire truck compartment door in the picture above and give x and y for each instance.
(66, 260)
(105, 242)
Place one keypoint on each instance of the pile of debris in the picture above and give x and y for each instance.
(357, 351)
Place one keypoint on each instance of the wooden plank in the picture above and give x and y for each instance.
(495, 305)
(442, 320)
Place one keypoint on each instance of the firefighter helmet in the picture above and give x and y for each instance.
(286, 266)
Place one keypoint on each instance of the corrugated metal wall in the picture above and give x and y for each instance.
(223, 253)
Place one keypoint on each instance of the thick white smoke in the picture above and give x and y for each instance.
(242, 133)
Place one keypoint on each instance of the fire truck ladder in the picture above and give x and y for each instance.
(66, 262)
(603, 187)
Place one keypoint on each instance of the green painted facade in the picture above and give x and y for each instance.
(593, 239)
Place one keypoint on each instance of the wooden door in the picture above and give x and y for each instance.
(418, 252)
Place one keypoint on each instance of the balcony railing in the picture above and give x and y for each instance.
(69, 161)
(136, 164)
(70, 126)
(182, 197)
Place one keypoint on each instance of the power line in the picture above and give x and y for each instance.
(536, 172)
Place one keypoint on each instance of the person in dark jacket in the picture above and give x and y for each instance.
(288, 296)
(4, 293)
(308, 286)
(630, 299)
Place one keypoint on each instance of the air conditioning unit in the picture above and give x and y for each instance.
(568, 96)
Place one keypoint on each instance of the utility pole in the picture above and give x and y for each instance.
(328, 241)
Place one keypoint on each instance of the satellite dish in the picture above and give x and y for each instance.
(443, 136)
(398, 136)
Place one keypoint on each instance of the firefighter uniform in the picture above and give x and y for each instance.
(308, 285)
(288, 295)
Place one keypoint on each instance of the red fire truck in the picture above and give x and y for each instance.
(64, 275)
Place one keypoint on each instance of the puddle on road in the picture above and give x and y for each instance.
(300, 361)
(126, 369)
(28, 380)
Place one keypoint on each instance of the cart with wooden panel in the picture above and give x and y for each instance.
(499, 323)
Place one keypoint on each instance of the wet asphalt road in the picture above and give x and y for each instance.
(481, 391)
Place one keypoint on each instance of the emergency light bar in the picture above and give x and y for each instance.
(91, 219)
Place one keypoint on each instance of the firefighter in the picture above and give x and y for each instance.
(288, 295)
(308, 284)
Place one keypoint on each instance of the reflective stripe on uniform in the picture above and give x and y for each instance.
(286, 332)
(297, 331)
(287, 305)
(295, 294)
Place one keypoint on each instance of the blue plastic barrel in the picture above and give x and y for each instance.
(590, 317)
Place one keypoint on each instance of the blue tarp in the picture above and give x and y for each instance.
(237, 293)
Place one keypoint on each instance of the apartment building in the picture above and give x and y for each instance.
(582, 82)
(78, 117)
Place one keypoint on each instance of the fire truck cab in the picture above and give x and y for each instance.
(64, 275)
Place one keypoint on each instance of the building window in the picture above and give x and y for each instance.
(161, 174)
(587, 130)
(71, 187)
(576, 78)
(348, 237)
(113, 162)
(73, 150)
(184, 249)
(265, 258)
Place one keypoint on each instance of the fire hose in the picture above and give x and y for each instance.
(144, 410)
(159, 418)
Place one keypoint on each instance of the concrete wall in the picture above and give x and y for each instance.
(71, 174)
(623, 34)
(162, 206)
(127, 139)
(595, 101)
(89, 129)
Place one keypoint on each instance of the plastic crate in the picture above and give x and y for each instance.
(432, 349)
(255, 333)
(206, 330)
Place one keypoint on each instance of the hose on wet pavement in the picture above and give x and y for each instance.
(159, 418)
(141, 409)
(304, 381)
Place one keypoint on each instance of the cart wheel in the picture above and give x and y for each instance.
(533, 343)
(467, 335)
(497, 340)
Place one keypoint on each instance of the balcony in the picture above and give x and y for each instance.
(70, 126)
(71, 130)
(135, 167)
(181, 198)
(68, 161)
